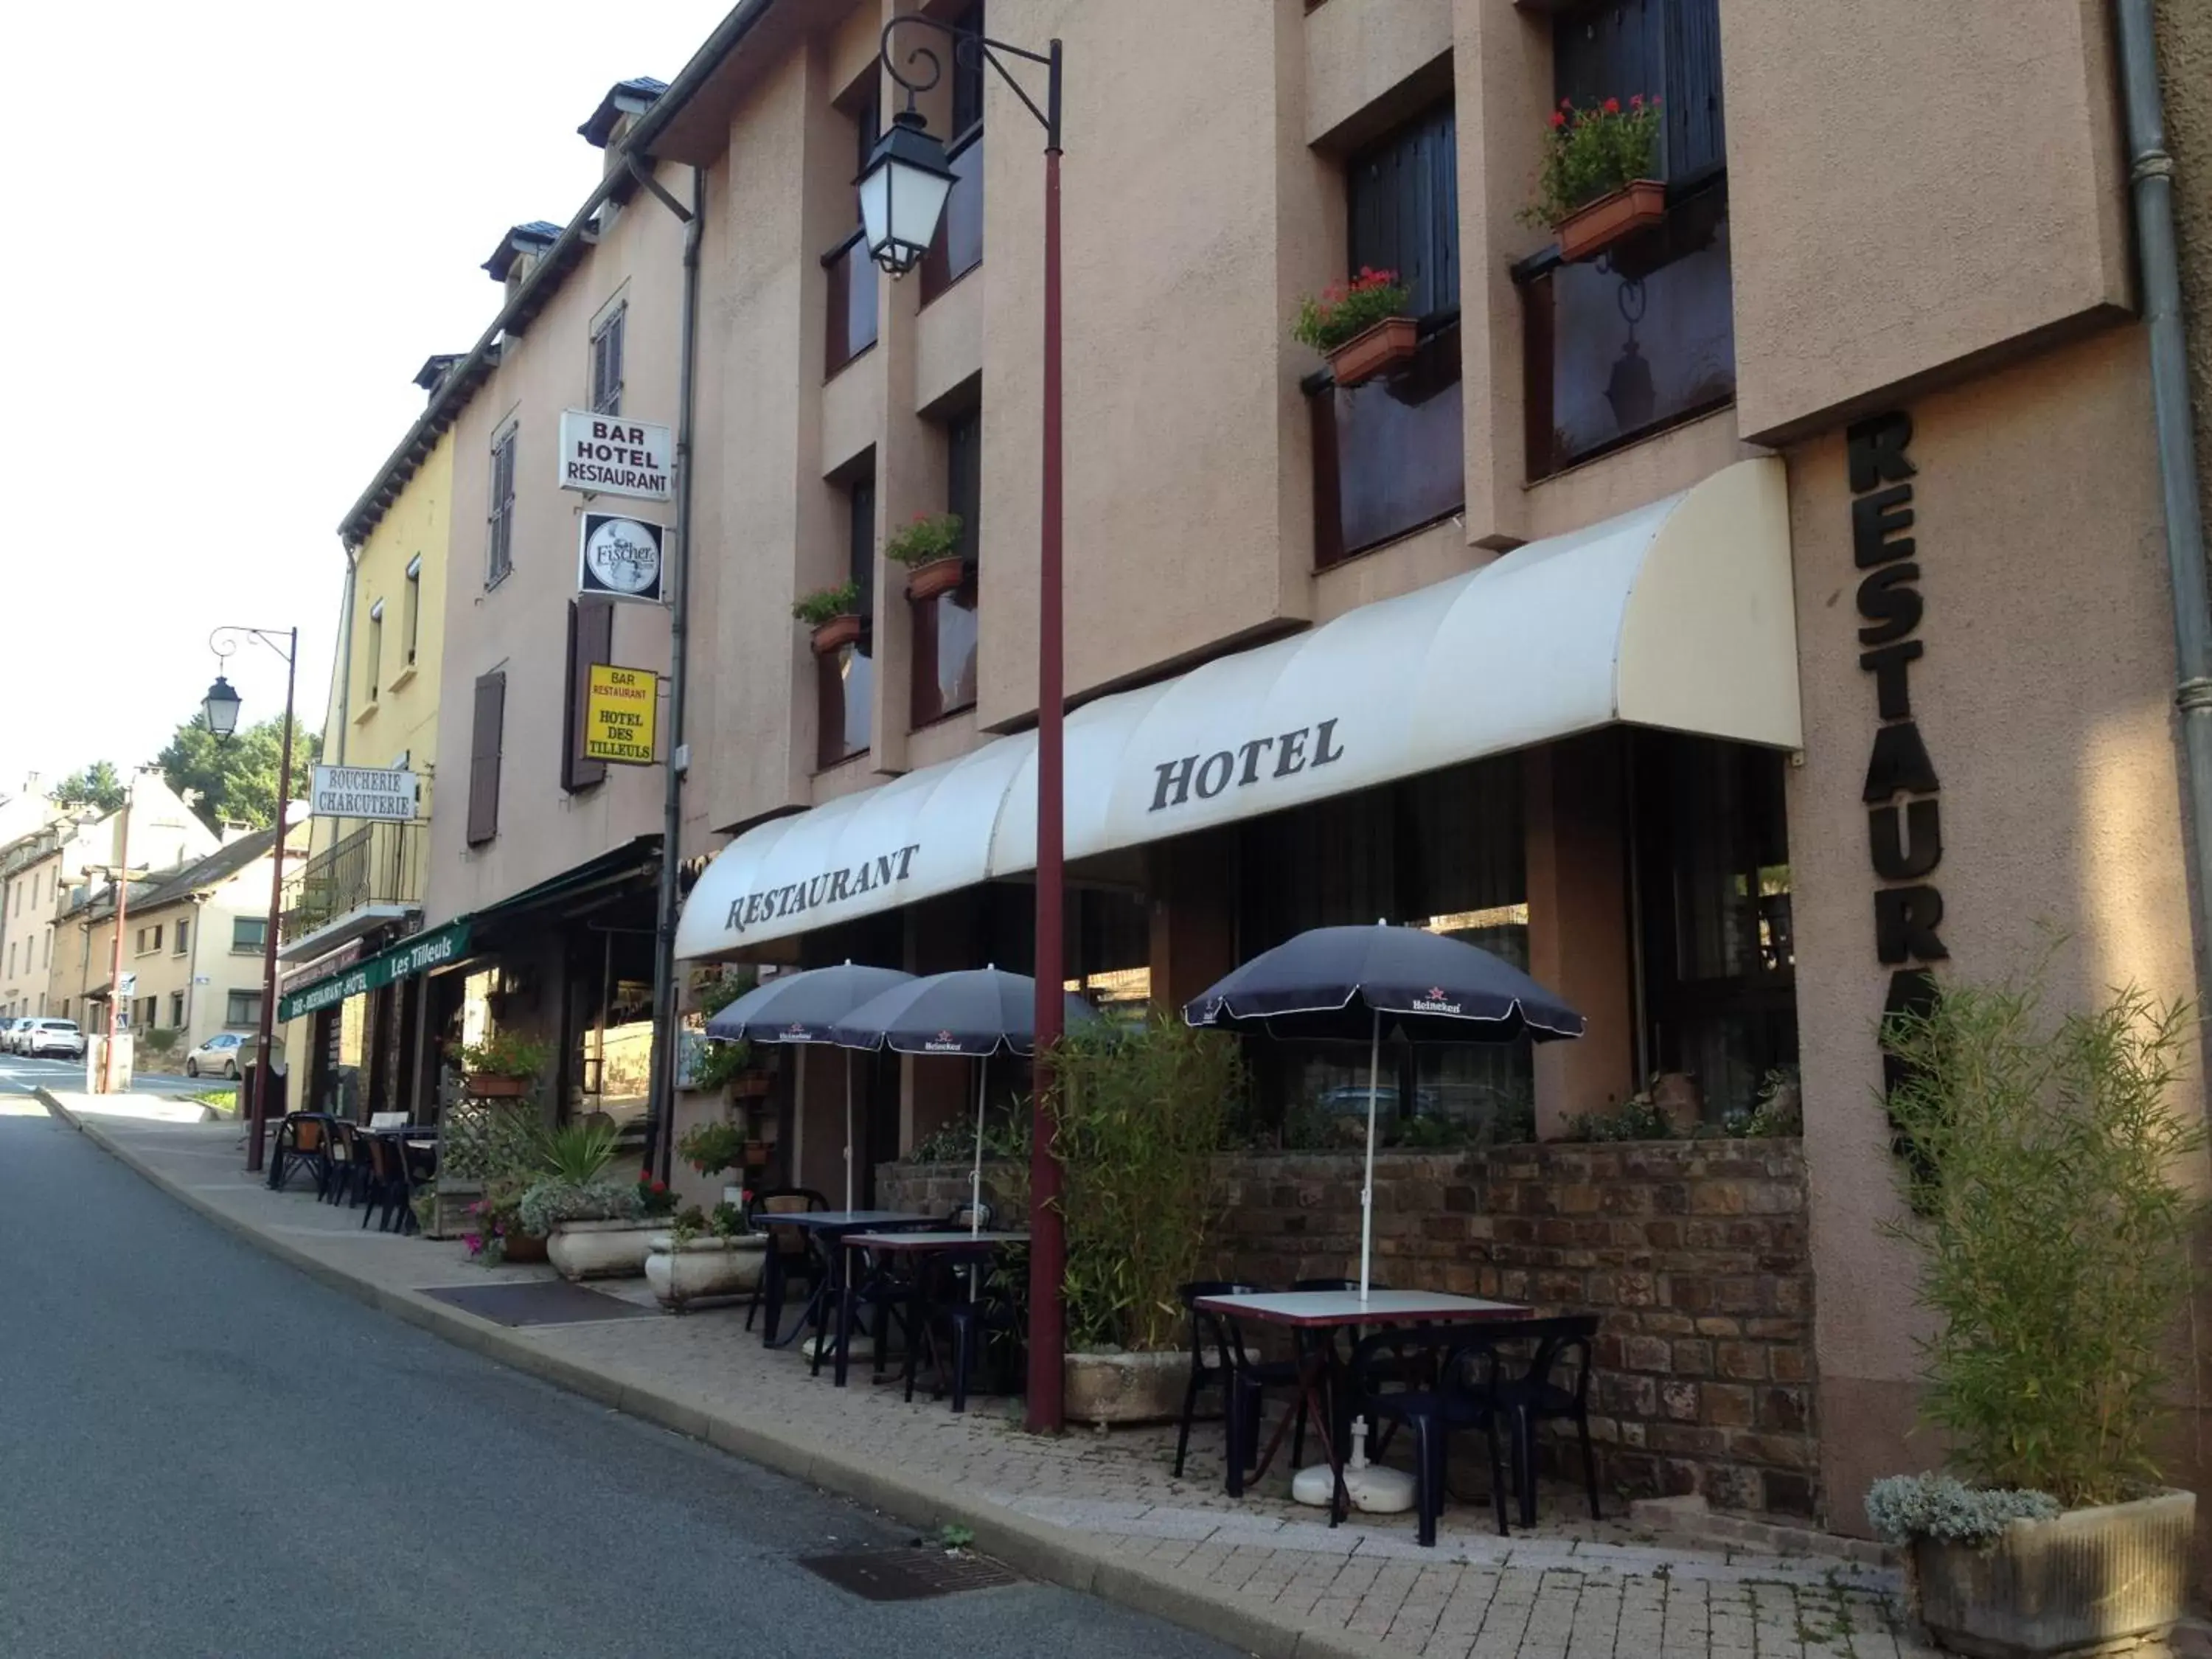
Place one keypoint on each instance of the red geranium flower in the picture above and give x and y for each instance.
(1613, 106)
(1559, 120)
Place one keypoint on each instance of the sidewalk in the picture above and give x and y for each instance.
(1096, 1513)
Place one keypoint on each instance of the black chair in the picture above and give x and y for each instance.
(1460, 1362)
(982, 1309)
(349, 1164)
(385, 1188)
(1539, 1395)
(303, 1141)
(986, 1217)
(1243, 1378)
(789, 1254)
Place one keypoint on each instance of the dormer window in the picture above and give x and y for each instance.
(521, 248)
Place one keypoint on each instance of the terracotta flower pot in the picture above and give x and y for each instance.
(926, 581)
(1375, 350)
(486, 1087)
(1596, 225)
(521, 1247)
(835, 634)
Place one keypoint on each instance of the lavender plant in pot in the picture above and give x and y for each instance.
(2046, 1163)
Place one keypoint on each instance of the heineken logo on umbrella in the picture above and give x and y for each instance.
(1436, 1002)
(943, 1043)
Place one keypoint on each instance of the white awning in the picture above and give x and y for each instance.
(1678, 615)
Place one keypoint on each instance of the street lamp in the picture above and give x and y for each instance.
(902, 192)
(220, 708)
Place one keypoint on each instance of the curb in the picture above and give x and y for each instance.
(1052, 1554)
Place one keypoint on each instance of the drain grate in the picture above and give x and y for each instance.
(907, 1574)
(538, 1301)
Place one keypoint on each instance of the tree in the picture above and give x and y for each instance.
(235, 779)
(95, 786)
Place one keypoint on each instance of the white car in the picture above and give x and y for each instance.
(221, 1055)
(11, 1035)
(58, 1038)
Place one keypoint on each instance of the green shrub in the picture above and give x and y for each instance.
(1343, 310)
(711, 1148)
(1138, 1111)
(505, 1054)
(578, 1153)
(2055, 1242)
(553, 1201)
(1590, 153)
(720, 1064)
(1637, 1118)
(927, 537)
(1904, 1507)
(828, 603)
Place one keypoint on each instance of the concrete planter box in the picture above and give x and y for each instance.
(2080, 1582)
(601, 1249)
(1106, 1388)
(703, 1267)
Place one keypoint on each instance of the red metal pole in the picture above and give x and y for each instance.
(1047, 1242)
(258, 1108)
(115, 953)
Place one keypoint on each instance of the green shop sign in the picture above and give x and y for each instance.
(402, 961)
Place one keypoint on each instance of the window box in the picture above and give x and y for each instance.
(1377, 350)
(926, 581)
(1592, 229)
(836, 635)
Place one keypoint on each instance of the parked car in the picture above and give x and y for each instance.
(219, 1056)
(56, 1039)
(11, 1034)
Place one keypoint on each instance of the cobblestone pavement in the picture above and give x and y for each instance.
(1569, 1589)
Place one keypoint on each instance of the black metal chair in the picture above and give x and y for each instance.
(1537, 1394)
(1460, 1362)
(385, 1189)
(303, 1141)
(982, 1311)
(1243, 1378)
(789, 1254)
(349, 1164)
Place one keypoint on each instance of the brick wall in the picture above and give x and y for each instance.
(1693, 1253)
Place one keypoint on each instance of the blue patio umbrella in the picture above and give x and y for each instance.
(975, 1011)
(801, 1008)
(1351, 983)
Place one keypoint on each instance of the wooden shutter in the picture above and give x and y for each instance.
(1660, 48)
(1695, 139)
(1403, 195)
(484, 757)
(591, 639)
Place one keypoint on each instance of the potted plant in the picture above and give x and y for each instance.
(1138, 1112)
(1360, 325)
(1595, 186)
(928, 546)
(711, 1148)
(2040, 1162)
(504, 1065)
(593, 1227)
(833, 614)
(705, 1254)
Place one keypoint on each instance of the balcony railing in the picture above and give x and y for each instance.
(376, 864)
(1390, 456)
(851, 323)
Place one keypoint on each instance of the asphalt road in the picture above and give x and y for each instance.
(203, 1452)
(20, 1075)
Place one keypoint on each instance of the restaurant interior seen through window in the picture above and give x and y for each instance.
(1389, 454)
(1643, 335)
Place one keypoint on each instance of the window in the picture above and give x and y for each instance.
(176, 1007)
(249, 932)
(946, 628)
(852, 276)
(411, 613)
(148, 1008)
(846, 678)
(958, 248)
(11, 961)
(242, 1008)
(500, 552)
(149, 939)
(591, 639)
(183, 935)
(1403, 198)
(374, 651)
(484, 757)
(1643, 337)
(607, 363)
(47, 951)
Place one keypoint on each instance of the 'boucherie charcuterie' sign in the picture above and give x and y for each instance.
(611, 455)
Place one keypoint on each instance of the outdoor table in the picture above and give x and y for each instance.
(940, 1242)
(1320, 1314)
(822, 1228)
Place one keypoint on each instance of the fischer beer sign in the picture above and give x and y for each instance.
(610, 455)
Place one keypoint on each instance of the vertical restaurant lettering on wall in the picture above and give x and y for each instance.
(1904, 825)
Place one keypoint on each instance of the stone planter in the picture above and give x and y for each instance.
(2086, 1579)
(601, 1249)
(703, 1266)
(1105, 1389)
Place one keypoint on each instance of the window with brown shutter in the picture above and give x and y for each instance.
(484, 757)
(591, 639)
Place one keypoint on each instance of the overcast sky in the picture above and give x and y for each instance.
(245, 227)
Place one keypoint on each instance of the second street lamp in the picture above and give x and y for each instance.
(220, 706)
(902, 195)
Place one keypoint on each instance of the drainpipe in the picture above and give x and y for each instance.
(345, 656)
(2150, 172)
(661, 1096)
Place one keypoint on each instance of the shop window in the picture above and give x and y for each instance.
(1643, 337)
(591, 639)
(845, 679)
(1388, 456)
(851, 319)
(1712, 855)
(958, 248)
(1443, 852)
(946, 629)
(242, 1008)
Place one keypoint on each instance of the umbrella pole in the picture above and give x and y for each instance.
(849, 1128)
(1367, 1190)
(976, 1177)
